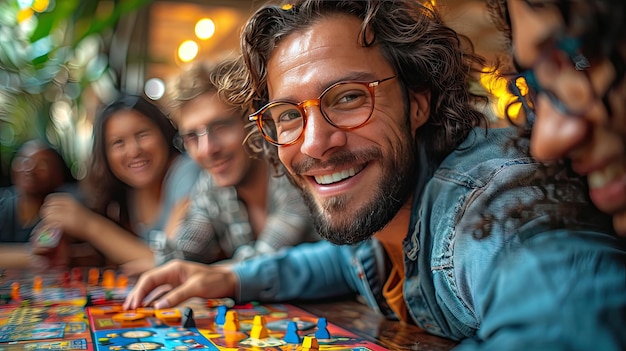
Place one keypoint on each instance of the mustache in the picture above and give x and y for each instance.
(338, 159)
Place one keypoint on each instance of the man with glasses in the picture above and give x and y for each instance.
(572, 56)
(242, 205)
(432, 218)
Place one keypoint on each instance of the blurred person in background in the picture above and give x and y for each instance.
(242, 205)
(572, 55)
(37, 170)
(137, 178)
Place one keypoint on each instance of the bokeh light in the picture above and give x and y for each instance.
(205, 28)
(188, 50)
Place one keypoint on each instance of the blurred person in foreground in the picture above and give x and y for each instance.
(37, 170)
(572, 55)
(136, 179)
(430, 217)
(242, 203)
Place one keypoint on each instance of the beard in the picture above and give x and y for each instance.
(341, 222)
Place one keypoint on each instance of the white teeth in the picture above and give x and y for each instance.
(602, 177)
(335, 177)
(137, 164)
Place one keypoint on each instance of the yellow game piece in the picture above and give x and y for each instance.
(122, 281)
(310, 344)
(108, 279)
(127, 317)
(93, 276)
(231, 322)
(37, 283)
(259, 330)
(168, 315)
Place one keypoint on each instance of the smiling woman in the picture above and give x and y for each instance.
(137, 178)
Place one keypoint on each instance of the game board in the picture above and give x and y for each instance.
(48, 312)
(112, 332)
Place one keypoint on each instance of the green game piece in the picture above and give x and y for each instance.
(108, 295)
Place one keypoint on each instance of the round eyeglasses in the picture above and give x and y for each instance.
(562, 57)
(222, 130)
(345, 105)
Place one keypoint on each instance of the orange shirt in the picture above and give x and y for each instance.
(392, 290)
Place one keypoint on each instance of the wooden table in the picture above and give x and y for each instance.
(366, 323)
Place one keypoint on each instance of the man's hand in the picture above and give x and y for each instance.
(186, 280)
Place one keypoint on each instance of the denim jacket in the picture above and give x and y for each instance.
(528, 284)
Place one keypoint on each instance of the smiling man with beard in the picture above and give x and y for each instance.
(440, 221)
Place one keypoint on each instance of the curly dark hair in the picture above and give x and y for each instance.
(102, 186)
(426, 55)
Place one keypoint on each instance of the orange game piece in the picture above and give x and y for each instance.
(310, 344)
(122, 281)
(106, 309)
(259, 330)
(232, 321)
(15, 291)
(148, 311)
(127, 317)
(168, 315)
(93, 277)
(108, 279)
(37, 283)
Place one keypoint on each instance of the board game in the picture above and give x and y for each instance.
(74, 311)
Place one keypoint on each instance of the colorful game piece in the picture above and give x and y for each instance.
(48, 237)
(106, 309)
(77, 275)
(65, 279)
(187, 319)
(148, 311)
(37, 283)
(310, 344)
(220, 318)
(127, 317)
(93, 276)
(225, 301)
(291, 335)
(259, 331)
(15, 291)
(122, 281)
(322, 330)
(232, 321)
(108, 279)
(168, 315)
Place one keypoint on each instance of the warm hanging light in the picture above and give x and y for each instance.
(188, 50)
(205, 28)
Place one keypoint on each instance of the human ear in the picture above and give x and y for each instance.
(419, 109)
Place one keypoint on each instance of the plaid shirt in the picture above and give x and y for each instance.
(217, 227)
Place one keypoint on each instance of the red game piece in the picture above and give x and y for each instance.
(77, 275)
(65, 279)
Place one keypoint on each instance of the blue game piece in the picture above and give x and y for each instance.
(220, 318)
(291, 335)
(322, 331)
